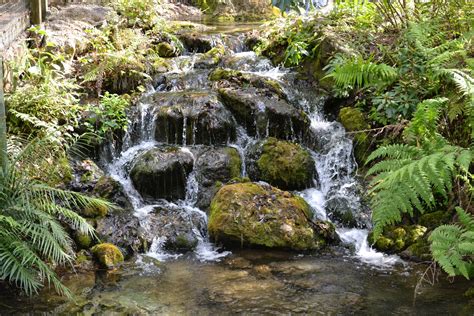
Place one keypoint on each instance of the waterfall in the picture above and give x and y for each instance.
(334, 162)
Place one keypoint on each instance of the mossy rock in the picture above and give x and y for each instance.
(418, 251)
(354, 120)
(166, 50)
(251, 214)
(434, 219)
(211, 58)
(283, 164)
(395, 239)
(225, 74)
(94, 210)
(83, 240)
(107, 255)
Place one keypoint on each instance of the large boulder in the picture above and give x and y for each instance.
(178, 228)
(192, 118)
(161, 173)
(251, 214)
(263, 109)
(283, 164)
(195, 42)
(215, 166)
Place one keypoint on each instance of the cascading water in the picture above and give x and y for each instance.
(333, 158)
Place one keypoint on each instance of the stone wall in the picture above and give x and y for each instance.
(14, 20)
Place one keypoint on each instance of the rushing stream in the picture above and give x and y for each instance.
(348, 279)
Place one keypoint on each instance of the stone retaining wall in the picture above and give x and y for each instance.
(14, 20)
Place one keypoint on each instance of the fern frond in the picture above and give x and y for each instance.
(403, 185)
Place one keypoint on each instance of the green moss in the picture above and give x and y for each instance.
(95, 210)
(249, 214)
(165, 50)
(215, 54)
(398, 238)
(106, 187)
(235, 164)
(420, 250)
(83, 241)
(224, 74)
(182, 242)
(434, 219)
(160, 65)
(285, 164)
(353, 120)
(384, 244)
(107, 255)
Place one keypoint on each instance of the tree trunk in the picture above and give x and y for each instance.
(3, 123)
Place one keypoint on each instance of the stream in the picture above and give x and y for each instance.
(349, 278)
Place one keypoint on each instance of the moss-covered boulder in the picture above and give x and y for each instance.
(107, 255)
(354, 120)
(251, 214)
(395, 239)
(283, 164)
(432, 220)
(192, 118)
(215, 166)
(161, 173)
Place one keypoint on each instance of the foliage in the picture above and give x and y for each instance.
(117, 61)
(109, 115)
(355, 72)
(45, 101)
(452, 246)
(408, 178)
(32, 237)
(138, 13)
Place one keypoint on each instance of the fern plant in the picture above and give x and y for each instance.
(408, 178)
(452, 246)
(32, 238)
(356, 72)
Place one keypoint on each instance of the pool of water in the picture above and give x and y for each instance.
(252, 282)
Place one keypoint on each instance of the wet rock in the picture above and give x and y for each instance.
(211, 58)
(395, 239)
(283, 164)
(251, 214)
(161, 173)
(192, 118)
(264, 113)
(196, 42)
(176, 226)
(353, 120)
(215, 166)
(107, 255)
(120, 227)
(111, 190)
(83, 240)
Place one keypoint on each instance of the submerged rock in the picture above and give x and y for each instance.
(215, 166)
(177, 226)
(283, 164)
(107, 255)
(251, 214)
(161, 173)
(192, 118)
